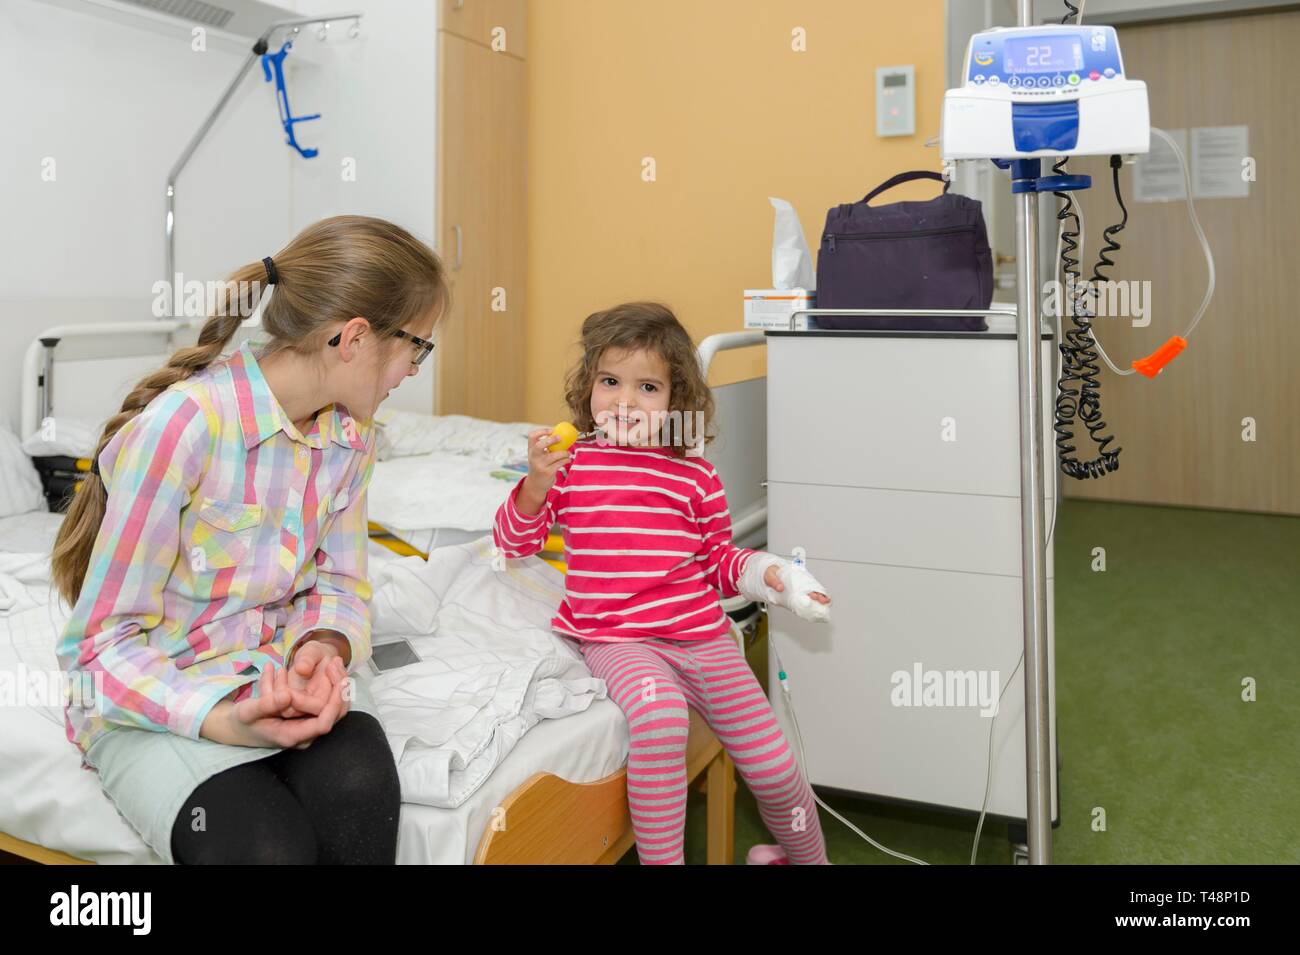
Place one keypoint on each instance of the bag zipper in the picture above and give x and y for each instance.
(832, 236)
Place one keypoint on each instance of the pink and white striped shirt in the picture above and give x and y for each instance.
(647, 539)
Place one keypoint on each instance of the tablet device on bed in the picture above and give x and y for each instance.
(391, 656)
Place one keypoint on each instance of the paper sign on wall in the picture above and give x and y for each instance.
(1214, 157)
(1157, 175)
(1217, 154)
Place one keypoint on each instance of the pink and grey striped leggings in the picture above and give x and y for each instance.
(653, 681)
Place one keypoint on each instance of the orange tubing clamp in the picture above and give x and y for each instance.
(1154, 362)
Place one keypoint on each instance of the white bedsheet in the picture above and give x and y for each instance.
(581, 749)
(490, 667)
(31, 533)
(20, 485)
(404, 433)
(45, 795)
(431, 539)
(437, 490)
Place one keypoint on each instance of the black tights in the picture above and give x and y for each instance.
(335, 802)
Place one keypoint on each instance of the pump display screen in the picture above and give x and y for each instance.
(1042, 54)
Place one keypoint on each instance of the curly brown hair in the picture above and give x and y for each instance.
(653, 327)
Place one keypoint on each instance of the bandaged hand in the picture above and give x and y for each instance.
(774, 580)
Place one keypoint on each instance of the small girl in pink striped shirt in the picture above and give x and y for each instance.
(648, 547)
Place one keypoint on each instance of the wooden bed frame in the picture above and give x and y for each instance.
(549, 820)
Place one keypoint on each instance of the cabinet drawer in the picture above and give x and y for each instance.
(886, 621)
(957, 532)
(870, 412)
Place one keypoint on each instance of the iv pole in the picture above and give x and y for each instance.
(1033, 559)
(260, 47)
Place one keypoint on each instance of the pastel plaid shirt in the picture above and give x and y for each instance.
(229, 536)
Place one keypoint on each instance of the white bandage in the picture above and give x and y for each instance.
(797, 582)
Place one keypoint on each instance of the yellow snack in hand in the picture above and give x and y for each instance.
(567, 434)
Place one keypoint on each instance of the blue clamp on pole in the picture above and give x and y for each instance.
(275, 61)
(1026, 177)
(1052, 184)
(1025, 170)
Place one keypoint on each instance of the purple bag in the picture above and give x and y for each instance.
(932, 254)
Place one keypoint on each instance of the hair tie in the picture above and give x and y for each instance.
(94, 466)
(272, 276)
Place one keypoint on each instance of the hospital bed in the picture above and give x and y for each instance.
(562, 787)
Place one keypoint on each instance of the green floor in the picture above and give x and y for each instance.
(1150, 658)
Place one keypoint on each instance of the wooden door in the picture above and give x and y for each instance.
(481, 209)
(1182, 433)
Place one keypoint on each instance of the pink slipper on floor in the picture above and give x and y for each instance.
(767, 855)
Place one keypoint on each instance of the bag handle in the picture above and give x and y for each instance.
(903, 177)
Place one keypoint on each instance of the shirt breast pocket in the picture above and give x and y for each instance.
(224, 534)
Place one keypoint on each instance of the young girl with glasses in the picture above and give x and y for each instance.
(215, 559)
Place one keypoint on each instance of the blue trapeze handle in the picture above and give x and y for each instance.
(275, 61)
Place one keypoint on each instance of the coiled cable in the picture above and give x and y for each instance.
(1078, 389)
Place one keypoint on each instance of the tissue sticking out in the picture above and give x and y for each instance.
(792, 264)
(793, 278)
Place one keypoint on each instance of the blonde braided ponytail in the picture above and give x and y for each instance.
(76, 539)
(333, 270)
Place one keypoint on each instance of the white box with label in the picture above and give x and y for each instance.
(772, 307)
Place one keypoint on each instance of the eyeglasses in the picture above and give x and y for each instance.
(424, 346)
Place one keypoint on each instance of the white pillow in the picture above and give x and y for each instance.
(70, 437)
(20, 485)
(408, 433)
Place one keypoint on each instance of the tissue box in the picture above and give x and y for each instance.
(771, 308)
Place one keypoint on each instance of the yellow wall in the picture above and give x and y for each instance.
(731, 114)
